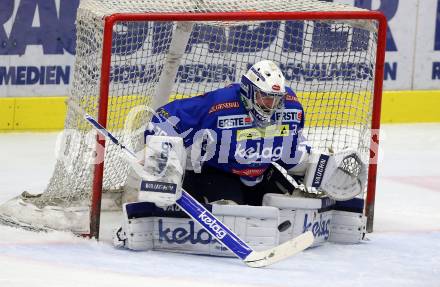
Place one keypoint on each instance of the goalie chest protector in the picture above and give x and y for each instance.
(218, 124)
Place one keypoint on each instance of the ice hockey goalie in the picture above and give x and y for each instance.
(240, 150)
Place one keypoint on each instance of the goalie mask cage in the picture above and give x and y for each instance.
(132, 56)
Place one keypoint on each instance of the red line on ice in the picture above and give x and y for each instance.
(428, 182)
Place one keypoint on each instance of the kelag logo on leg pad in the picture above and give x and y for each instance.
(182, 235)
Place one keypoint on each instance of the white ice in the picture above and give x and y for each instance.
(404, 249)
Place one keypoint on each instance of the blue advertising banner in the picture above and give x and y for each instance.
(427, 55)
(37, 46)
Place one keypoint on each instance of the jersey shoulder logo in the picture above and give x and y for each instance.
(291, 98)
(224, 106)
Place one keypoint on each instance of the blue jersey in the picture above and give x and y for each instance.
(218, 131)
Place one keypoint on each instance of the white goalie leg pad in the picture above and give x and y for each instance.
(256, 225)
(136, 232)
(146, 226)
(180, 234)
(347, 227)
(304, 214)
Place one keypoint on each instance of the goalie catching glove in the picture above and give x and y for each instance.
(341, 175)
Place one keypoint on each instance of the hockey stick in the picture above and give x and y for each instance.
(214, 226)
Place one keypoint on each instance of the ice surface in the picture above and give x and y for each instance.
(404, 250)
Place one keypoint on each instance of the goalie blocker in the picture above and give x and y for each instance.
(164, 166)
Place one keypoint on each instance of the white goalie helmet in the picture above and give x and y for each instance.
(263, 91)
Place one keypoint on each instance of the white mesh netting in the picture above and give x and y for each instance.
(330, 65)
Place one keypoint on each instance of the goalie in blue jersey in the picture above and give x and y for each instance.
(234, 134)
(233, 142)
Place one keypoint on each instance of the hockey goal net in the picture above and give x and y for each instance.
(132, 56)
